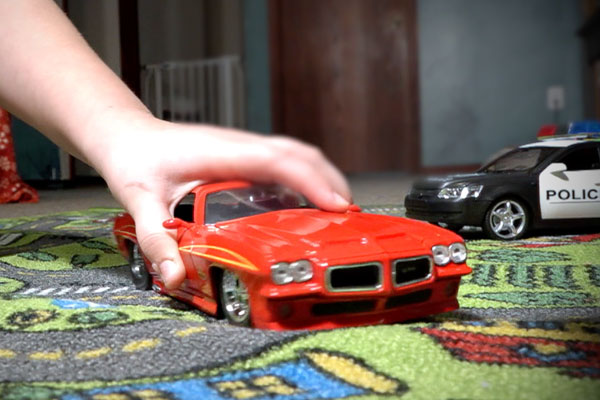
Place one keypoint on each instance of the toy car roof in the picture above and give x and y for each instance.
(560, 142)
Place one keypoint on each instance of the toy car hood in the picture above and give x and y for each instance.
(332, 235)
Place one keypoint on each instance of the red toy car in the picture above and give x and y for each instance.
(262, 255)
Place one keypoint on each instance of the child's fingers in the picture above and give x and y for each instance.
(158, 244)
(301, 167)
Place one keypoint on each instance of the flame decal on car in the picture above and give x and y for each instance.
(230, 257)
(126, 231)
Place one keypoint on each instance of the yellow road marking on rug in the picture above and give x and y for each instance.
(139, 345)
(162, 298)
(95, 353)
(572, 331)
(91, 298)
(123, 297)
(46, 355)
(352, 372)
(145, 394)
(6, 353)
(274, 385)
(190, 331)
(549, 349)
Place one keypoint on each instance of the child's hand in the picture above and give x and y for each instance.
(61, 87)
(151, 164)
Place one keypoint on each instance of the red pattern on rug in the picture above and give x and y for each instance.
(12, 187)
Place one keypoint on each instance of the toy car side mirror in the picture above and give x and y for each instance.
(557, 167)
(558, 170)
(175, 223)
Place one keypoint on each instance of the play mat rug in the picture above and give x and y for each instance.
(72, 326)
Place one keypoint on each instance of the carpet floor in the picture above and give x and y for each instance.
(72, 326)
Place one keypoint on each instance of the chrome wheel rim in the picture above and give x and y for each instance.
(508, 219)
(235, 298)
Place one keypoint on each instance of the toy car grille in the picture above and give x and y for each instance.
(424, 193)
(354, 278)
(346, 307)
(408, 299)
(410, 270)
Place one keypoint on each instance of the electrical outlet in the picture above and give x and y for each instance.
(555, 98)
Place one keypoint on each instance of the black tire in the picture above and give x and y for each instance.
(506, 219)
(137, 267)
(234, 299)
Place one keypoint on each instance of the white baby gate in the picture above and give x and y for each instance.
(208, 91)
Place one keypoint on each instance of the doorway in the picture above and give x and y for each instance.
(344, 77)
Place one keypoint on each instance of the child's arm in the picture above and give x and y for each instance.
(52, 79)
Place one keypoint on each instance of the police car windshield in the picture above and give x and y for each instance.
(519, 160)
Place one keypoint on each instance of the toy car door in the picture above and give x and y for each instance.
(570, 187)
(185, 210)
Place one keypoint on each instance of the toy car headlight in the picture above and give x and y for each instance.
(441, 255)
(298, 271)
(301, 270)
(458, 253)
(461, 191)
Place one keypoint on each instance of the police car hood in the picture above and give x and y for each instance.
(480, 178)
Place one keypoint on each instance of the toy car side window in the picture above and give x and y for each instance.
(586, 158)
(225, 205)
(185, 208)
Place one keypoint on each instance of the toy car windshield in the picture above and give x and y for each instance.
(518, 160)
(247, 201)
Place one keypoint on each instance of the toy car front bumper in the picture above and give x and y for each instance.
(455, 212)
(324, 312)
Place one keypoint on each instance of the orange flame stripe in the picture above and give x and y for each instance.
(236, 260)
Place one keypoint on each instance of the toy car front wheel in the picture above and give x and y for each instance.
(234, 299)
(139, 274)
(506, 219)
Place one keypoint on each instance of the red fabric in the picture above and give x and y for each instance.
(12, 188)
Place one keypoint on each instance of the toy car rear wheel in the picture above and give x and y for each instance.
(137, 266)
(234, 298)
(507, 219)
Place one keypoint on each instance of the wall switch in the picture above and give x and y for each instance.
(555, 98)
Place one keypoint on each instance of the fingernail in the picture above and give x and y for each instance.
(340, 201)
(167, 269)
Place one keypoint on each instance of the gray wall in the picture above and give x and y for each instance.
(485, 66)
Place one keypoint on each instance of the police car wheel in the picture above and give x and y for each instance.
(234, 298)
(507, 219)
(137, 266)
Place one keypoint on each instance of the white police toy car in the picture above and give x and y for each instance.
(553, 183)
